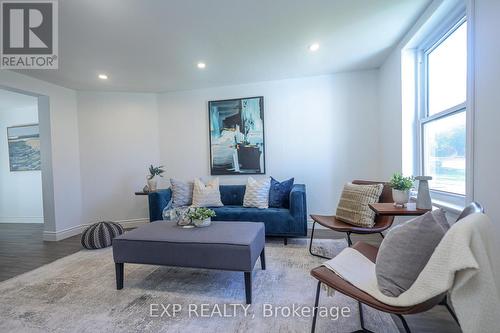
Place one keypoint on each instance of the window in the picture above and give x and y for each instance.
(443, 111)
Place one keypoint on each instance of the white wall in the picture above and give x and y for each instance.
(390, 117)
(20, 192)
(321, 130)
(60, 155)
(487, 104)
(118, 141)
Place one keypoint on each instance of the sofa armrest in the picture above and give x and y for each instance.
(158, 200)
(298, 208)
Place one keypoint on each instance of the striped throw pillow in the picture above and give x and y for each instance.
(257, 193)
(207, 195)
(100, 235)
(353, 205)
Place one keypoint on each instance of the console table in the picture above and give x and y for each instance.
(141, 193)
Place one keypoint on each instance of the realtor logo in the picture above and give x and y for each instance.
(29, 35)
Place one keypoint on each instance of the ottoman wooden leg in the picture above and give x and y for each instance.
(263, 260)
(248, 287)
(119, 275)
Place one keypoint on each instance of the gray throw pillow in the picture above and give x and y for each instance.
(182, 193)
(405, 251)
(440, 217)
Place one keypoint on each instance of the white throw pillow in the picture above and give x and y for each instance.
(206, 195)
(257, 193)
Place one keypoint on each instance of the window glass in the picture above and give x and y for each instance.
(447, 72)
(444, 153)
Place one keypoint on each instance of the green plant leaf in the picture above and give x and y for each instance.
(399, 182)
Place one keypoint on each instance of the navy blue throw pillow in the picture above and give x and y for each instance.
(279, 193)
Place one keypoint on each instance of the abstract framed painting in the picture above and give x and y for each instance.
(237, 144)
(24, 147)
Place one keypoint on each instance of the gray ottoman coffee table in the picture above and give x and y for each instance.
(231, 246)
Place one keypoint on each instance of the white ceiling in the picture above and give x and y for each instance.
(154, 45)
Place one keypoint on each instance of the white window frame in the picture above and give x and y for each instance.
(440, 198)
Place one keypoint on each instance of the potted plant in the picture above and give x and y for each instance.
(401, 189)
(153, 172)
(201, 216)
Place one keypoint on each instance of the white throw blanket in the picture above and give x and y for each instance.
(465, 263)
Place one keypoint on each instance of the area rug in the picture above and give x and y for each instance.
(77, 294)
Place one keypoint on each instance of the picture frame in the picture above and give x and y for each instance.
(24, 147)
(237, 136)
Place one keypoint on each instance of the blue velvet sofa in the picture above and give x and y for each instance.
(283, 222)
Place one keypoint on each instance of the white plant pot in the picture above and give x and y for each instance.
(202, 223)
(152, 184)
(400, 198)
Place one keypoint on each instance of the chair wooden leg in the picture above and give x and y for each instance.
(311, 243)
(315, 310)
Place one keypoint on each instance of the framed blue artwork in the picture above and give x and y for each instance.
(237, 136)
(24, 147)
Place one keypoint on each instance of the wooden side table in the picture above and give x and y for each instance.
(388, 209)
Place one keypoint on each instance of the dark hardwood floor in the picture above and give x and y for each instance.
(22, 249)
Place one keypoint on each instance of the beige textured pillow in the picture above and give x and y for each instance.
(206, 195)
(353, 205)
(257, 193)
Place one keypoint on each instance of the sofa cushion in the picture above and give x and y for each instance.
(277, 220)
(232, 194)
(182, 193)
(279, 193)
(405, 251)
(257, 193)
(206, 195)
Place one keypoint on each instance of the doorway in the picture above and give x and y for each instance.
(21, 199)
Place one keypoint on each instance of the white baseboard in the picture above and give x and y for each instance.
(132, 223)
(21, 219)
(54, 236)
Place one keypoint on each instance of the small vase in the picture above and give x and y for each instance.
(152, 184)
(424, 200)
(202, 223)
(400, 198)
(183, 222)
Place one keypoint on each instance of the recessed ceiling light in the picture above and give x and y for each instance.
(201, 65)
(314, 47)
(103, 76)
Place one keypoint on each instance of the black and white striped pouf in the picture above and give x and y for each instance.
(100, 235)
